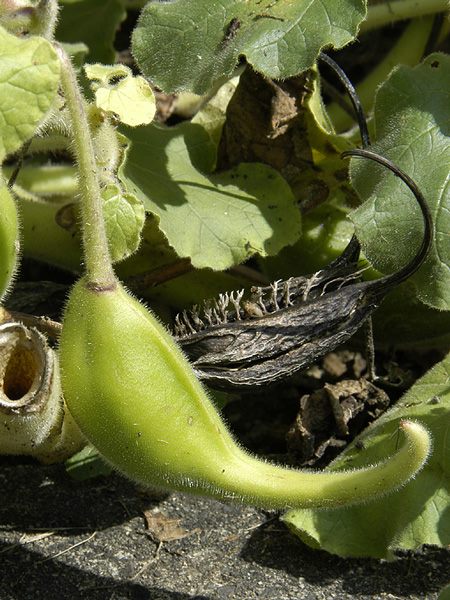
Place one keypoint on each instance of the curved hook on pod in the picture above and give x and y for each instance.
(136, 398)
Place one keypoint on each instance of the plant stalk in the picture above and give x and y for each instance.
(47, 12)
(390, 12)
(95, 244)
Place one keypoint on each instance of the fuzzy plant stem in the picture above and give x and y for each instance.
(399, 10)
(47, 15)
(268, 486)
(95, 244)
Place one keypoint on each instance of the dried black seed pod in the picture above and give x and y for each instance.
(301, 321)
(233, 306)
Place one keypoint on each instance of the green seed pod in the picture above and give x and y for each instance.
(136, 398)
(9, 238)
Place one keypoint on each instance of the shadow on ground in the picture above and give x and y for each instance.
(419, 573)
(65, 540)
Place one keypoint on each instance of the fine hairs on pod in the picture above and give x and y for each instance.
(136, 398)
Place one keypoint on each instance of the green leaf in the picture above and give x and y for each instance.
(87, 464)
(26, 17)
(325, 233)
(191, 44)
(29, 77)
(220, 219)
(93, 22)
(117, 91)
(213, 114)
(124, 218)
(322, 133)
(177, 293)
(415, 515)
(404, 322)
(412, 117)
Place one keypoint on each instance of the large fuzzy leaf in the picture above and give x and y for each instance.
(412, 117)
(218, 220)
(190, 44)
(417, 514)
(29, 77)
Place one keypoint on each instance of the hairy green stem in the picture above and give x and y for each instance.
(49, 142)
(407, 51)
(267, 485)
(47, 14)
(95, 244)
(399, 10)
(46, 181)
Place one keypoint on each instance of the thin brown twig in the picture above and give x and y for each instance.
(182, 267)
(23, 541)
(160, 274)
(149, 562)
(58, 554)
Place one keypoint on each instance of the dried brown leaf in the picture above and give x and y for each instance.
(163, 528)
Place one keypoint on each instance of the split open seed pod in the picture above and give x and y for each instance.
(34, 419)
